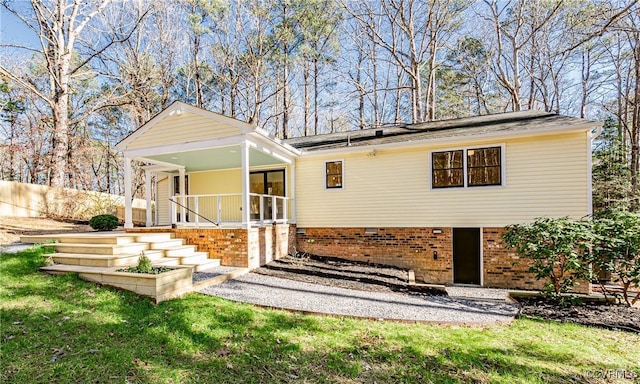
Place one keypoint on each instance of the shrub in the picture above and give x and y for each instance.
(617, 250)
(144, 264)
(106, 222)
(558, 248)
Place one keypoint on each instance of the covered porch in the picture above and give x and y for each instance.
(209, 171)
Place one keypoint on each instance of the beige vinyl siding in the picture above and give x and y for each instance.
(163, 202)
(545, 176)
(227, 181)
(183, 129)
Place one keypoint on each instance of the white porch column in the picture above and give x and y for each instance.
(182, 199)
(147, 193)
(292, 167)
(128, 216)
(246, 210)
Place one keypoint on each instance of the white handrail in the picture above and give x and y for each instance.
(196, 203)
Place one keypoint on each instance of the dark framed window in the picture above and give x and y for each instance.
(484, 166)
(447, 169)
(333, 174)
(176, 185)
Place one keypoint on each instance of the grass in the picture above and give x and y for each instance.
(61, 329)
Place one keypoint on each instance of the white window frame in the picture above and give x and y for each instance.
(324, 173)
(503, 167)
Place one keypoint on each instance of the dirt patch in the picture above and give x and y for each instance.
(11, 228)
(612, 316)
(345, 274)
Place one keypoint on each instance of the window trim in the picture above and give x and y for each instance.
(324, 171)
(503, 167)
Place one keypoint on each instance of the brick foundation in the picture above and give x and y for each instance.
(237, 247)
(411, 248)
(414, 248)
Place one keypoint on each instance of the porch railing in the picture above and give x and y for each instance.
(226, 209)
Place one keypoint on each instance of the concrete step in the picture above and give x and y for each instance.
(153, 237)
(114, 237)
(96, 260)
(101, 249)
(166, 262)
(164, 244)
(96, 238)
(181, 250)
(204, 266)
(195, 258)
(62, 269)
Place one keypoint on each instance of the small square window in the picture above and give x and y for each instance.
(333, 174)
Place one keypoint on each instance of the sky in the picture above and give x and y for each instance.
(13, 31)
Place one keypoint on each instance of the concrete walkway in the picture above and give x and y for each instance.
(269, 291)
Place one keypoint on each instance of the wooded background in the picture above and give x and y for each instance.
(85, 74)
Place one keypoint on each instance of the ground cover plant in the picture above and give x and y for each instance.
(144, 266)
(62, 329)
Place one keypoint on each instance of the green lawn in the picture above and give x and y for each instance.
(63, 330)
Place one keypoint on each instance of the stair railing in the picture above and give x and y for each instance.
(194, 212)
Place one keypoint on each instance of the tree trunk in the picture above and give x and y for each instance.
(634, 134)
(307, 104)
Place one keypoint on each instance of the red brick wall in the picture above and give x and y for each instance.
(235, 247)
(228, 245)
(411, 248)
(503, 268)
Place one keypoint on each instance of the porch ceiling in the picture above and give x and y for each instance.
(214, 158)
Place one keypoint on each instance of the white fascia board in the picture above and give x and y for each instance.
(270, 151)
(185, 147)
(158, 167)
(161, 165)
(494, 136)
(263, 137)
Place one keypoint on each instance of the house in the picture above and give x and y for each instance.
(432, 197)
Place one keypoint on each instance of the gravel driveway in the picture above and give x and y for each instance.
(275, 292)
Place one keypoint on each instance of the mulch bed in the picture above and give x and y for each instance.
(345, 274)
(612, 316)
(381, 278)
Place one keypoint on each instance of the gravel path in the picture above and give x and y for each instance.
(275, 292)
(211, 273)
(14, 248)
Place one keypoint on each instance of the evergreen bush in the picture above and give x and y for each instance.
(105, 222)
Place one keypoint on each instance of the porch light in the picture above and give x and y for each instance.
(437, 231)
(179, 111)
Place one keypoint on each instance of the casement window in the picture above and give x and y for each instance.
(471, 167)
(334, 171)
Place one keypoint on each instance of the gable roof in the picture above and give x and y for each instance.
(523, 123)
(172, 123)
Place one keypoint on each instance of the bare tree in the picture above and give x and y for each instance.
(60, 27)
